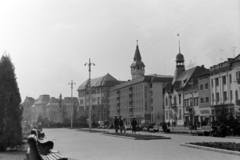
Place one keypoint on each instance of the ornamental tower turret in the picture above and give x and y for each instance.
(137, 67)
(179, 64)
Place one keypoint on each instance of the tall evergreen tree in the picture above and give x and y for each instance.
(10, 110)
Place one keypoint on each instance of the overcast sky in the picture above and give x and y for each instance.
(49, 41)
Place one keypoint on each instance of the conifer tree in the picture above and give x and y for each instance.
(10, 109)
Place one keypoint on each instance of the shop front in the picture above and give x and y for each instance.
(205, 117)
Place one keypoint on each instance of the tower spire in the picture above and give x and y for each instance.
(179, 42)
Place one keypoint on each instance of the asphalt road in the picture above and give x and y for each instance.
(82, 145)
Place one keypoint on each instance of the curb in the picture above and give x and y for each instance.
(210, 149)
(137, 138)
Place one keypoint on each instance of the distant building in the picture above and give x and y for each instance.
(27, 111)
(180, 93)
(204, 88)
(141, 97)
(225, 82)
(99, 97)
(39, 107)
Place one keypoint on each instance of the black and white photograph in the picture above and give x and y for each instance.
(119, 79)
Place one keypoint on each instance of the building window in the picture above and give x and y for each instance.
(180, 114)
(238, 76)
(236, 93)
(179, 96)
(166, 115)
(230, 78)
(207, 99)
(213, 98)
(231, 95)
(206, 86)
(81, 101)
(224, 95)
(216, 81)
(217, 97)
(202, 100)
(224, 80)
(212, 82)
(201, 87)
(166, 101)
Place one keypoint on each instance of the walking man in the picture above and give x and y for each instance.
(134, 125)
(116, 124)
(121, 124)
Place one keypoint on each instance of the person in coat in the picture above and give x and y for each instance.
(116, 124)
(134, 125)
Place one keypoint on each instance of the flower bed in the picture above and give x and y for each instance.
(232, 146)
(138, 136)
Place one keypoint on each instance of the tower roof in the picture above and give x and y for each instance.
(137, 59)
(137, 55)
(179, 57)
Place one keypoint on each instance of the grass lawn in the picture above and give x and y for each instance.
(232, 146)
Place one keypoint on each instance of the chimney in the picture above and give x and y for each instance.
(202, 66)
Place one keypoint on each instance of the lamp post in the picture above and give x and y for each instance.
(72, 83)
(90, 90)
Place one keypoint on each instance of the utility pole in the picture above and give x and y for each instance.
(72, 83)
(90, 90)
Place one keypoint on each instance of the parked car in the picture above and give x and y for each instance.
(156, 128)
(150, 127)
(129, 127)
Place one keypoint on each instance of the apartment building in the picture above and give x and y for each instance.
(99, 97)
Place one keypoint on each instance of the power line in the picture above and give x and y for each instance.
(178, 20)
(180, 24)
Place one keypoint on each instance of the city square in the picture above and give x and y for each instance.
(76, 144)
(73, 74)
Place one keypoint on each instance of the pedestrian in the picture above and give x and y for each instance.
(124, 125)
(121, 125)
(116, 124)
(134, 125)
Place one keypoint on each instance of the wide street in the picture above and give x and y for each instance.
(79, 145)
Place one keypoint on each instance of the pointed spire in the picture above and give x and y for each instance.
(179, 42)
(137, 56)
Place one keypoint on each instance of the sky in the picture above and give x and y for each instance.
(49, 41)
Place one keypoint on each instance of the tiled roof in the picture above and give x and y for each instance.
(52, 102)
(168, 87)
(97, 82)
(188, 75)
(70, 100)
(42, 100)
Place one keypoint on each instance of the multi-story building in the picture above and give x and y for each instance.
(140, 97)
(99, 97)
(176, 111)
(205, 98)
(27, 111)
(234, 83)
(56, 110)
(190, 104)
(39, 107)
(222, 88)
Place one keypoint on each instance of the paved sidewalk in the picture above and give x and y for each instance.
(79, 145)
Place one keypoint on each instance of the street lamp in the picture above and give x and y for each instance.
(90, 90)
(72, 83)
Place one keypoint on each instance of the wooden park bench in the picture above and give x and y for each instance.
(41, 149)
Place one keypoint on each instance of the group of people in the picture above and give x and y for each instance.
(120, 123)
